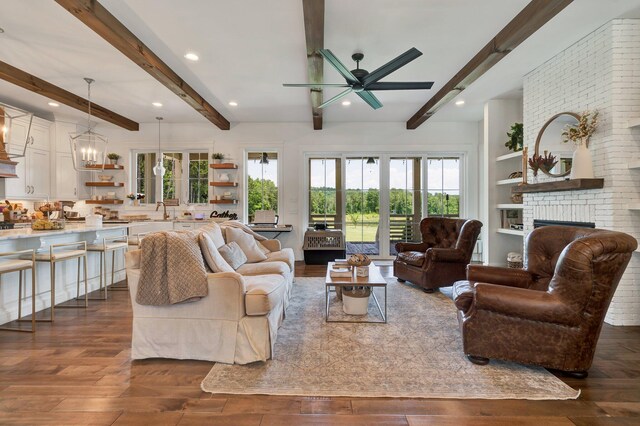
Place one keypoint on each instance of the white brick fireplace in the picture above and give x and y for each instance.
(601, 71)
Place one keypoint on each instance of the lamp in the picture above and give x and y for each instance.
(88, 148)
(8, 115)
(159, 169)
(265, 158)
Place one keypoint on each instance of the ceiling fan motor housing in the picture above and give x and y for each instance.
(359, 73)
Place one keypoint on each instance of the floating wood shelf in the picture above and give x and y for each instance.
(560, 185)
(111, 184)
(224, 166)
(223, 184)
(106, 167)
(635, 122)
(104, 201)
(223, 201)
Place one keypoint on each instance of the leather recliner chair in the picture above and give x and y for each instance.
(443, 255)
(551, 312)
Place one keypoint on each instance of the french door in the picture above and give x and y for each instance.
(380, 200)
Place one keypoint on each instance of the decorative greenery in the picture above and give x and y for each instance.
(113, 156)
(516, 138)
(137, 196)
(544, 162)
(580, 133)
(217, 156)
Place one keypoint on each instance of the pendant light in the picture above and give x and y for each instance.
(370, 160)
(88, 148)
(159, 169)
(265, 158)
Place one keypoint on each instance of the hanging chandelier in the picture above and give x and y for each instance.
(159, 169)
(88, 149)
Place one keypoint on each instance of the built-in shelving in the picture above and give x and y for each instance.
(510, 156)
(227, 184)
(510, 206)
(634, 164)
(635, 207)
(105, 184)
(560, 185)
(506, 231)
(104, 201)
(513, 181)
(106, 167)
(634, 122)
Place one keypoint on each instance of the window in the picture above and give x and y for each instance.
(405, 200)
(187, 181)
(325, 203)
(262, 182)
(443, 187)
(145, 179)
(198, 177)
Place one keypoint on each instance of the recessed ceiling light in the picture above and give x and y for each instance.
(233, 103)
(191, 56)
(54, 104)
(156, 104)
(460, 102)
(346, 103)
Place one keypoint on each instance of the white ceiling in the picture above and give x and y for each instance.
(249, 48)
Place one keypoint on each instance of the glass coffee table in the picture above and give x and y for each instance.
(375, 279)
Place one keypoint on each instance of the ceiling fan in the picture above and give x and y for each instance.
(362, 82)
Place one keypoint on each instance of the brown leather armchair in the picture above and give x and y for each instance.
(551, 312)
(442, 256)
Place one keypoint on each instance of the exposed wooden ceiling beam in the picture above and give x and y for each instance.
(48, 90)
(100, 20)
(528, 21)
(314, 35)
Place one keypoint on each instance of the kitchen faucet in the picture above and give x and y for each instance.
(165, 215)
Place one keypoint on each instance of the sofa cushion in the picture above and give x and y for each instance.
(264, 293)
(463, 293)
(264, 268)
(247, 243)
(285, 255)
(415, 258)
(212, 256)
(233, 255)
(214, 232)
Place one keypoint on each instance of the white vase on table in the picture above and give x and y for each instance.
(582, 164)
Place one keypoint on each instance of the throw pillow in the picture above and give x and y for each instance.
(233, 255)
(212, 256)
(247, 243)
(214, 232)
(262, 248)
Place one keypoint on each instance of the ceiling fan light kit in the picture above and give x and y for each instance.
(362, 82)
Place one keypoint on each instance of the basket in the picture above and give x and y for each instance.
(323, 246)
(514, 260)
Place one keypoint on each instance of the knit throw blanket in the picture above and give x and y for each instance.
(171, 269)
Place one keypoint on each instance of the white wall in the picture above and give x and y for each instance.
(601, 72)
(294, 140)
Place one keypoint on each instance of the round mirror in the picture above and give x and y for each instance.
(549, 142)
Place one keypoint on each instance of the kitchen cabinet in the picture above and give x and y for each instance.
(33, 170)
(183, 226)
(39, 137)
(62, 131)
(70, 183)
(16, 187)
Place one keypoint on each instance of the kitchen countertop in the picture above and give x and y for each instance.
(71, 228)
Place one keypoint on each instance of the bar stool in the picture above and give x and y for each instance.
(61, 253)
(108, 244)
(21, 266)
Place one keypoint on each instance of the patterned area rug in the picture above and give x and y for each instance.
(418, 353)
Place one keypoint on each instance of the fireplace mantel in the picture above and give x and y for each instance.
(560, 185)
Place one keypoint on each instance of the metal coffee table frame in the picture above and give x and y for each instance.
(327, 291)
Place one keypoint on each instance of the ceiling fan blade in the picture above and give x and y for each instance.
(391, 66)
(339, 66)
(315, 85)
(401, 85)
(369, 98)
(336, 97)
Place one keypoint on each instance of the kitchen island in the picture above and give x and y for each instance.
(25, 238)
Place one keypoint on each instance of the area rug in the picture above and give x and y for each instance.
(417, 354)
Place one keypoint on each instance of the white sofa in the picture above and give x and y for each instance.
(236, 323)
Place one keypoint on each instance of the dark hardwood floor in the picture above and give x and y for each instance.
(78, 371)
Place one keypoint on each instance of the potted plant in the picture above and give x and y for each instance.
(135, 198)
(516, 138)
(544, 162)
(113, 158)
(217, 157)
(579, 134)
